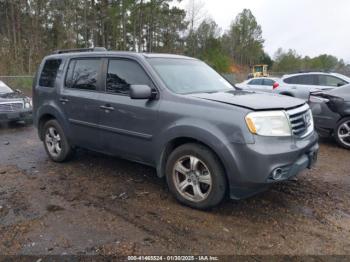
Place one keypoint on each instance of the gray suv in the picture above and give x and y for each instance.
(176, 114)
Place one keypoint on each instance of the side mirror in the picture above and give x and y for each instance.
(340, 84)
(18, 91)
(140, 92)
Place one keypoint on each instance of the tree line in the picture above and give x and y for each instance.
(31, 29)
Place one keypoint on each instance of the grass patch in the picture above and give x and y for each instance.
(21, 83)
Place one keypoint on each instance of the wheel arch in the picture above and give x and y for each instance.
(48, 112)
(176, 142)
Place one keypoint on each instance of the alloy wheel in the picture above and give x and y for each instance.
(344, 133)
(53, 142)
(192, 178)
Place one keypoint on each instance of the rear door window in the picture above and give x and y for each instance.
(268, 82)
(49, 73)
(256, 82)
(302, 80)
(122, 73)
(83, 74)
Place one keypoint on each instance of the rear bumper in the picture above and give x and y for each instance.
(256, 164)
(22, 115)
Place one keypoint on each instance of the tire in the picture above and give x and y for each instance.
(342, 133)
(55, 142)
(198, 190)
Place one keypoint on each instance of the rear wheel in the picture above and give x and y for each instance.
(55, 142)
(195, 176)
(342, 133)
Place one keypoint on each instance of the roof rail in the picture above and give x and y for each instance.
(93, 49)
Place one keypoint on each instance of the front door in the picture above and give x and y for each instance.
(128, 125)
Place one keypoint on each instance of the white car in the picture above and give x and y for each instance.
(264, 84)
(297, 85)
(300, 85)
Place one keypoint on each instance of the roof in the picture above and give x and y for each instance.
(309, 73)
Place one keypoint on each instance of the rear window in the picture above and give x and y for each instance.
(49, 73)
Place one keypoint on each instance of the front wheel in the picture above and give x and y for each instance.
(342, 133)
(195, 176)
(55, 142)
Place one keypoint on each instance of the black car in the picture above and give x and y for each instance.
(14, 106)
(331, 110)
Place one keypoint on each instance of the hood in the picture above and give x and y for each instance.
(252, 100)
(11, 96)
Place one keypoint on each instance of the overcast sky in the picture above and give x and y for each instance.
(311, 27)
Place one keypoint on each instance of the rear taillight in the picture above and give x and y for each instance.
(275, 85)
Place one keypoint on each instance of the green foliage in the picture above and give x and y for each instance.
(290, 61)
(244, 40)
(209, 47)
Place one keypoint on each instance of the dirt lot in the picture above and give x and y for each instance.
(101, 205)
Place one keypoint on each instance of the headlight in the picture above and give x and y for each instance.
(268, 123)
(27, 102)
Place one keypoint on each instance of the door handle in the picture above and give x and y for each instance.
(107, 108)
(64, 100)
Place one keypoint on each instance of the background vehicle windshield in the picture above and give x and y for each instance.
(4, 88)
(184, 76)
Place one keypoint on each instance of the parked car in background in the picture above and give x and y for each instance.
(14, 106)
(174, 113)
(264, 84)
(300, 85)
(331, 110)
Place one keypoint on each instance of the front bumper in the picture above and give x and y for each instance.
(22, 115)
(255, 164)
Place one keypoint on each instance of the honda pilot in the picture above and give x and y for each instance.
(176, 114)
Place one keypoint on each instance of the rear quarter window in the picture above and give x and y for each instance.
(49, 73)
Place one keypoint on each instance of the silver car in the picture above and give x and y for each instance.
(264, 84)
(300, 85)
(296, 85)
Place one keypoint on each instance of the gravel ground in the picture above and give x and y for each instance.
(102, 205)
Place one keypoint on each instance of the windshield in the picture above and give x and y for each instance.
(4, 88)
(185, 76)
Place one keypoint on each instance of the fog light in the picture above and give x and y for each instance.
(277, 174)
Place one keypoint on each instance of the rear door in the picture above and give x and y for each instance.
(128, 125)
(79, 100)
(300, 85)
(268, 84)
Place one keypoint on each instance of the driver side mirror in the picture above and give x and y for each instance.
(340, 84)
(140, 92)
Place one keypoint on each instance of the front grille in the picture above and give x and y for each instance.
(301, 120)
(11, 106)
